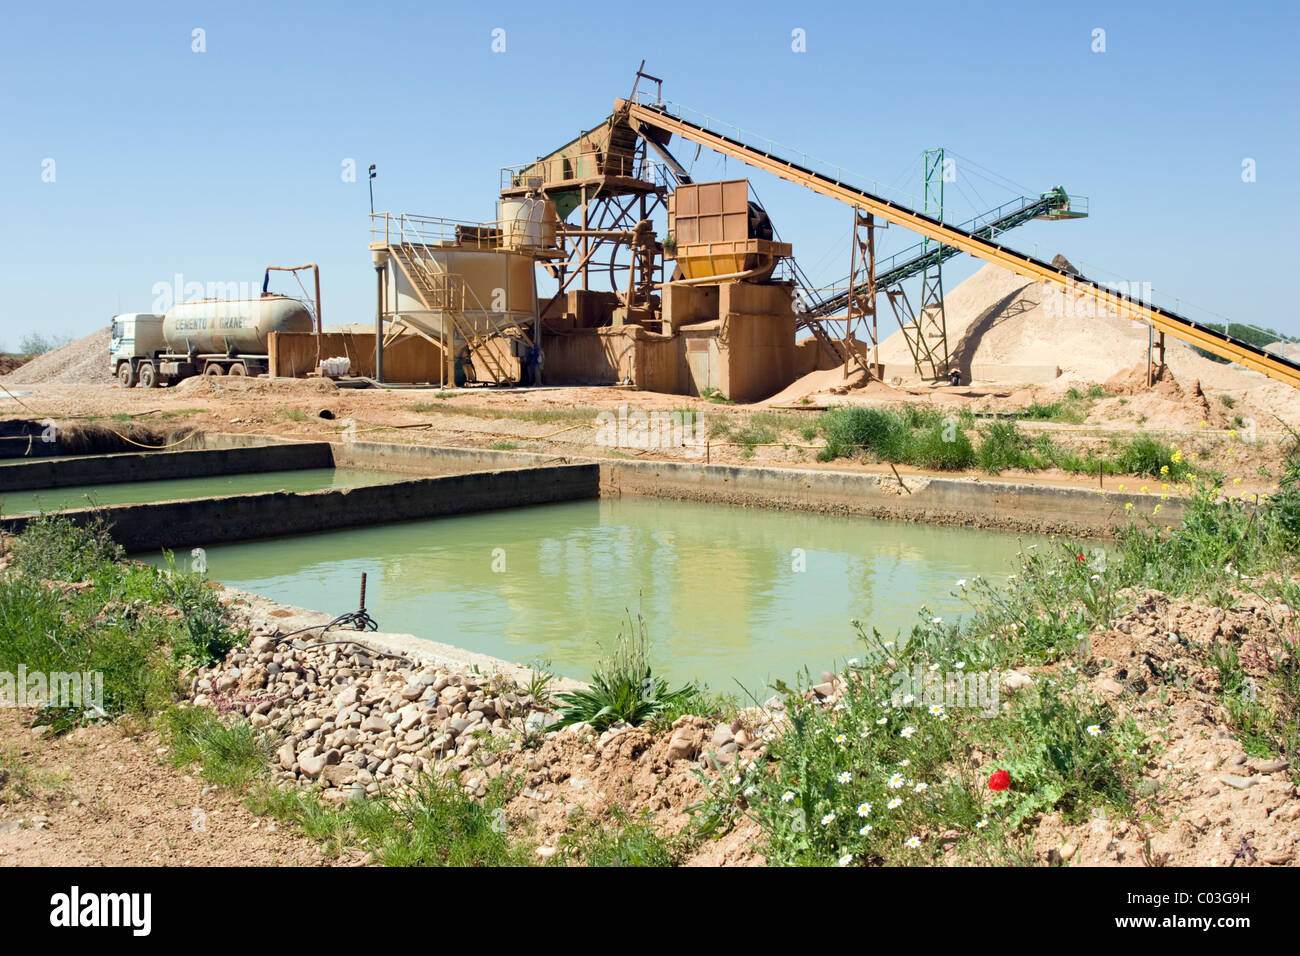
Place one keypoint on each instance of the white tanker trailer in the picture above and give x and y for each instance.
(208, 337)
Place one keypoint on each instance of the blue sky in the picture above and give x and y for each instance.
(212, 165)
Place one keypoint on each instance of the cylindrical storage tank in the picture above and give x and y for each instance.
(232, 326)
(528, 223)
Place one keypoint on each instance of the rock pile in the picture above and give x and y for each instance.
(353, 720)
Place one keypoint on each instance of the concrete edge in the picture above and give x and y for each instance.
(420, 649)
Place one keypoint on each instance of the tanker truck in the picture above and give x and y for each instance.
(207, 337)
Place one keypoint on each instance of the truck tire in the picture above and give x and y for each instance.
(212, 368)
(237, 369)
(126, 374)
(148, 376)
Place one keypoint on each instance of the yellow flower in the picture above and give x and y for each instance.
(1121, 487)
(1164, 470)
(1156, 511)
(1128, 506)
(1144, 489)
(1177, 456)
(1236, 481)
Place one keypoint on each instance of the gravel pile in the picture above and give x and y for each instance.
(83, 361)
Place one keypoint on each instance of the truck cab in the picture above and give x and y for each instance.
(137, 337)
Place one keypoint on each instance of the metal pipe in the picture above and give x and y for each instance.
(266, 279)
(379, 323)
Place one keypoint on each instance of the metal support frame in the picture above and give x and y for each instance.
(603, 244)
(931, 328)
(861, 303)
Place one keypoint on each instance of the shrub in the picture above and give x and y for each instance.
(623, 687)
(1148, 456)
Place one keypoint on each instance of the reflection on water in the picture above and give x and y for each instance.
(727, 593)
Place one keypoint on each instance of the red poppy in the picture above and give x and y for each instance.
(1079, 556)
(1001, 780)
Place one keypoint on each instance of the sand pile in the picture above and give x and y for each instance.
(999, 318)
(83, 361)
(1288, 350)
(829, 381)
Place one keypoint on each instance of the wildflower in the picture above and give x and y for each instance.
(921, 788)
(840, 738)
(895, 803)
(865, 830)
(936, 710)
(1094, 730)
(828, 819)
(906, 732)
(853, 662)
(896, 781)
(960, 665)
(844, 777)
(1128, 506)
(961, 582)
(864, 809)
(882, 721)
(1155, 511)
(1236, 481)
(846, 859)
(787, 796)
(933, 668)
(913, 842)
(735, 781)
(817, 731)
(1164, 470)
(982, 824)
(865, 734)
(936, 620)
(1121, 487)
(905, 762)
(1144, 489)
(750, 791)
(1177, 456)
(1000, 780)
(909, 700)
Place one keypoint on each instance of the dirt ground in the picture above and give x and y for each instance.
(104, 796)
(562, 421)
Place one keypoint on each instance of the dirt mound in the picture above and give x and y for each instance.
(82, 361)
(1212, 804)
(235, 385)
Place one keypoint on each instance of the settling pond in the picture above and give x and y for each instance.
(717, 585)
(142, 492)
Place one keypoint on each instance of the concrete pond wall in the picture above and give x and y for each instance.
(462, 480)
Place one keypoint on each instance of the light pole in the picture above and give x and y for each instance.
(372, 189)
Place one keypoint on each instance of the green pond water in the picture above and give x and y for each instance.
(138, 492)
(717, 585)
